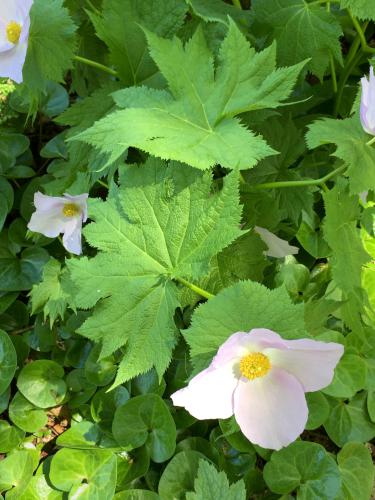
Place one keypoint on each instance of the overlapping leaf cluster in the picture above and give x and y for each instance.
(190, 124)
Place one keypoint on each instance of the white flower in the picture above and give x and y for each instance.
(60, 214)
(14, 34)
(367, 113)
(276, 246)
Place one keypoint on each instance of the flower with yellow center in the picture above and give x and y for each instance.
(13, 32)
(14, 36)
(60, 214)
(261, 379)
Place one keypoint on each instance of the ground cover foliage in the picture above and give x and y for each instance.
(189, 123)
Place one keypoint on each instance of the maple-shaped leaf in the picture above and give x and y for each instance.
(350, 139)
(50, 295)
(195, 121)
(162, 224)
(364, 9)
(213, 485)
(118, 25)
(51, 45)
(302, 30)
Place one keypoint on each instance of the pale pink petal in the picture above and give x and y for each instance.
(209, 394)
(11, 62)
(271, 411)
(310, 361)
(51, 223)
(240, 344)
(276, 246)
(72, 236)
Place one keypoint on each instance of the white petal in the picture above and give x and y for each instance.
(12, 61)
(72, 236)
(209, 394)
(310, 361)
(271, 411)
(51, 224)
(46, 203)
(277, 247)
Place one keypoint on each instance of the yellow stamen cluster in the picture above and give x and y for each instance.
(71, 210)
(13, 32)
(254, 365)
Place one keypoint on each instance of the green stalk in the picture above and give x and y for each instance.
(195, 288)
(237, 3)
(370, 142)
(287, 184)
(96, 65)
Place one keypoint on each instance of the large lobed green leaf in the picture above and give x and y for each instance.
(163, 222)
(194, 122)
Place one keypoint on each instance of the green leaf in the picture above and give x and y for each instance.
(8, 361)
(10, 437)
(87, 475)
(136, 495)
(41, 382)
(318, 409)
(218, 11)
(39, 488)
(179, 475)
(25, 415)
(83, 435)
(350, 139)
(359, 8)
(214, 321)
(194, 123)
(357, 472)
(349, 421)
(104, 405)
(51, 44)
(49, 295)
(119, 27)
(99, 371)
(306, 467)
(163, 222)
(15, 473)
(350, 377)
(6, 197)
(213, 485)
(348, 254)
(21, 273)
(146, 420)
(302, 30)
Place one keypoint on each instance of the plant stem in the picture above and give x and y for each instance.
(333, 73)
(96, 65)
(102, 183)
(94, 9)
(237, 3)
(370, 142)
(286, 184)
(22, 330)
(350, 64)
(361, 34)
(195, 288)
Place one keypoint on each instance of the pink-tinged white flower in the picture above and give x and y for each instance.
(14, 35)
(60, 214)
(277, 247)
(261, 379)
(367, 109)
